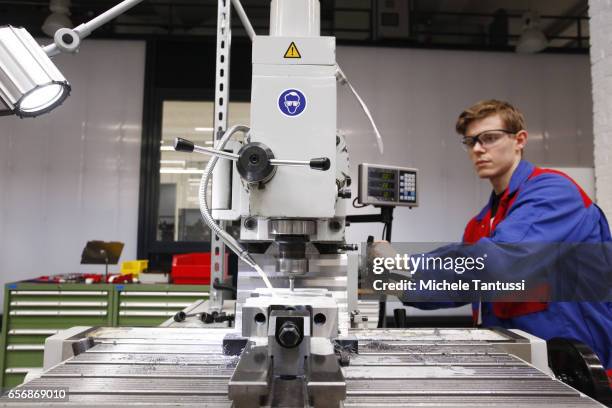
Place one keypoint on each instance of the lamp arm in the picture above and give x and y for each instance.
(248, 27)
(87, 28)
(71, 43)
(68, 40)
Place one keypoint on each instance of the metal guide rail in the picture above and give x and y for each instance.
(394, 368)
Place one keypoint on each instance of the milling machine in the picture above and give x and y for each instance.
(292, 344)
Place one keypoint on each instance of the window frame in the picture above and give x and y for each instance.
(148, 245)
(150, 177)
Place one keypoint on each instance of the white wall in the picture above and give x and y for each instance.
(72, 175)
(600, 12)
(416, 96)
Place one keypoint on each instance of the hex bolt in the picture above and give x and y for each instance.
(289, 335)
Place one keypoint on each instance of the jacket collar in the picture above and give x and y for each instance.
(519, 177)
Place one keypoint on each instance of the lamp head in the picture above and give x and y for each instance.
(30, 84)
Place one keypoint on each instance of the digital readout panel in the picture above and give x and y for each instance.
(382, 184)
(387, 185)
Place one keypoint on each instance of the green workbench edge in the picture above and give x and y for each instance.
(113, 288)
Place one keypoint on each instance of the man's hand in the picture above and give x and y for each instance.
(383, 249)
(380, 249)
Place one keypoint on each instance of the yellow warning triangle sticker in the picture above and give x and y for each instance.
(292, 51)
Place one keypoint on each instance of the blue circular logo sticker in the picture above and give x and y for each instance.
(292, 102)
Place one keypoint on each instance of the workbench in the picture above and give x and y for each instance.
(35, 311)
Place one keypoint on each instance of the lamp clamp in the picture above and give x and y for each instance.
(67, 40)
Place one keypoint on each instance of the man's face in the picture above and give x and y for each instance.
(497, 159)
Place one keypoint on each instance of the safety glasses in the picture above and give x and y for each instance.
(487, 139)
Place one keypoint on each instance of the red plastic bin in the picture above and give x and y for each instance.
(191, 269)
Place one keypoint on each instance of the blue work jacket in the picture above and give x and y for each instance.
(546, 206)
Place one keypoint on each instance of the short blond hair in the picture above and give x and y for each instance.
(513, 119)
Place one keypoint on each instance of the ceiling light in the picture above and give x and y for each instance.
(54, 22)
(174, 170)
(59, 17)
(532, 39)
(179, 162)
(30, 84)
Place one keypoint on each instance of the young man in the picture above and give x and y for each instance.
(528, 206)
(532, 205)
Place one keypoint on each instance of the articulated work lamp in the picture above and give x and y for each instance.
(30, 84)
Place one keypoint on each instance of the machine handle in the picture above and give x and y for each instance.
(183, 145)
(321, 163)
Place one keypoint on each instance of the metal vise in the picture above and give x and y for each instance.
(289, 358)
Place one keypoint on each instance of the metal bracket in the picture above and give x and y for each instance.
(224, 33)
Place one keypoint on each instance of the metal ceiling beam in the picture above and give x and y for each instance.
(580, 8)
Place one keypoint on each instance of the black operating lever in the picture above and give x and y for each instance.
(321, 163)
(183, 145)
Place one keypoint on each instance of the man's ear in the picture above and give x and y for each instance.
(521, 139)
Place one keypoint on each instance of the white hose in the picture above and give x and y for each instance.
(344, 81)
(205, 210)
(230, 241)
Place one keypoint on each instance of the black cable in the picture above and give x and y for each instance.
(358, 206)
(382, 305)
(224, 286)
(382, 314)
